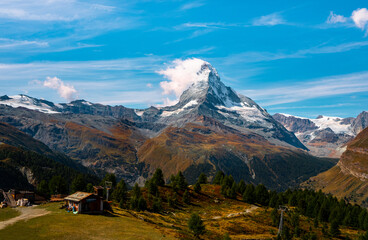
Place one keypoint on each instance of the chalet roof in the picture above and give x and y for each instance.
(78, 196)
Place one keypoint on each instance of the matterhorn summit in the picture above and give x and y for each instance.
(208, 96)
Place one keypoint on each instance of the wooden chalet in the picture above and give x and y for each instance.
(83, 202)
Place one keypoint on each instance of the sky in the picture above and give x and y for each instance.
(305, 58)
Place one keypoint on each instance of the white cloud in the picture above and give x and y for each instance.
(6, 43)
(269, 20)
(65, 91)
(181, 75)
(335, 18)
(149, 85)
(50, 10)
(191, 5)
(360, 18)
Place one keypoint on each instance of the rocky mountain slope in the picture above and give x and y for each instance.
(211, 128)
(24, 161)
(349, 178)
(324, 136)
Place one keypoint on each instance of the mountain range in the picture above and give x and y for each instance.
(349, 178)
(324, 136)
(211, 128)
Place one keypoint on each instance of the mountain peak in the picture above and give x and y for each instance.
(24, 101)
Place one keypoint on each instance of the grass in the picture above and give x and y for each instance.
(62, 225)
(219, 216)
(8, 213)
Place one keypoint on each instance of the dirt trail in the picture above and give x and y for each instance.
(26, 213)
(231, 215)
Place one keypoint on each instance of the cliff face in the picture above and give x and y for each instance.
(349, 178)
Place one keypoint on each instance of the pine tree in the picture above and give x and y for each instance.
(295, 224)
(89, 187)
(137, 202)
(158, 178)
(273, 199)
(57, 185)
(196, 225)
(315, 222)
(324, 230)
(362, 217)
(181, 182)
(152, 187)
(174, 183)
(334, 229)
(142, 204)
(218, 178)
(241, 187)
(157, 205)
(171, 201)
(261, 194)
(292, 200)
(232, 191)
(43, 188)
(110, 177)
(78, 183)
(136, 191)
(324, 214)
(186, 197)
(202, 179)
(120, 192)
(275, 217)
(248, 195)
(197, 187)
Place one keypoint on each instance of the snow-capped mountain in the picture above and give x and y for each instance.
(324, 136)
(25, 101)
(211, 128)
(208, 96)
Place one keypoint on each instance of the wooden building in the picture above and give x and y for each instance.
(82, 202)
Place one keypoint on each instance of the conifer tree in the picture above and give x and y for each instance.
(158, 178)
(218, 178)
(248, 195)
(275, 217)
(197, 187)
(202, 179)
(181, 182)
(261, 194)
(157, 205)
(334, 228)
(186, 197)
(241, 187)
(196, 225)
(120, 192)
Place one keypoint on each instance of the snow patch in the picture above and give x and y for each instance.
(139, 112)
(29, 103)
(188, 105)
(248, 113)
(334, 123)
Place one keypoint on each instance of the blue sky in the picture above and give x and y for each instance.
(298, 57)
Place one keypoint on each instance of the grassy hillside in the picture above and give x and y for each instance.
(220, 215)
(59, 224)
(348, 179)
(8, 213)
